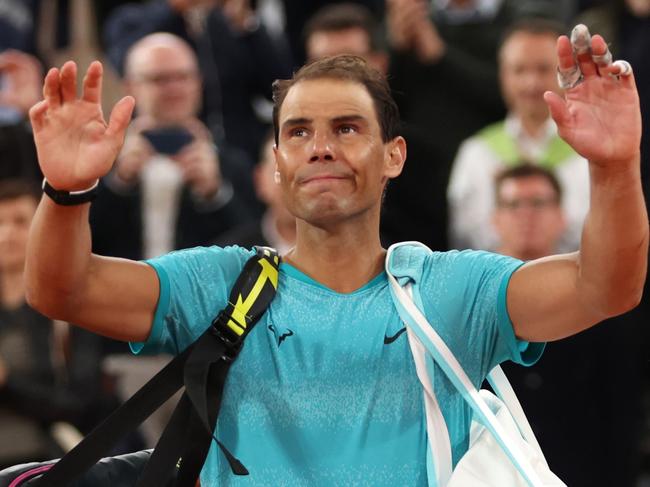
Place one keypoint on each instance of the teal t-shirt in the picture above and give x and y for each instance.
(324, 391)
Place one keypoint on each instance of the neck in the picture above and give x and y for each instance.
(533, 126)
(286, 228)
(343, 258)
(12, 288)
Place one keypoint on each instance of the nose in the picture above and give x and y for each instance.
(323, 148)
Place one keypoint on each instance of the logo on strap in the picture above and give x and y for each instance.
(242, 306)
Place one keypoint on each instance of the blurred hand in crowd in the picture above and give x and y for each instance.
(21, 79)
(410, 28)
(239, 13)
(3, 373)
(199, 161)
(183, 6)
(135, 152)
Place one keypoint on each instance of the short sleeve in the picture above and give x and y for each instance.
(466, 292)
(194, 287)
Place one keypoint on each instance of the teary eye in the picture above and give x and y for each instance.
(297, 132)
(347, 129)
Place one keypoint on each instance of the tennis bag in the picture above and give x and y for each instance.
(180, 452)
(503, 450)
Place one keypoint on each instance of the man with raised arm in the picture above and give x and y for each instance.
(324, 390)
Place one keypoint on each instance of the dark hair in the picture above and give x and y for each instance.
(344, 16)
(346, 68)
(527, 170)
(12, 189)
(533, 25)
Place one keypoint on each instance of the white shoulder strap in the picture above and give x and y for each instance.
(437, 432)
(446, 360)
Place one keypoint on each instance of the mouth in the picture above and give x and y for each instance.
(320, 178)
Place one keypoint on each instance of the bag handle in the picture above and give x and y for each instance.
(443, 356)
(439, 445)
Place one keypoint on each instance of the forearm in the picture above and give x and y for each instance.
(58, 257)
(614, 246)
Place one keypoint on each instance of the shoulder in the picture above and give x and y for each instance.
(451, 269)
(204, 260)
(413, 260)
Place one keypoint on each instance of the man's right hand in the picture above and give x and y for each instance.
(75, 146)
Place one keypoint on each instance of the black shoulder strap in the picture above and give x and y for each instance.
(202, 368)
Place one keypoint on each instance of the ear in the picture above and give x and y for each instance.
(277, 177)
(395, 157)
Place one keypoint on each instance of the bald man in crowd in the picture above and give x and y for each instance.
(171, 187)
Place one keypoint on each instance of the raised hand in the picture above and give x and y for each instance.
(74, 143)
(600, 116)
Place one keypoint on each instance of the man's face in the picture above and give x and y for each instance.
(331, 158)
(528, 216)
(15, 218)
(528, 69)
(166, 84)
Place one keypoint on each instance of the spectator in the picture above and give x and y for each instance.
(21, 78)
(18, 25)
(277, 227)
(578, 383)
(415, 207)
(443, 66)
(162, 198)
(527, 70)
(41, 363)
(627, 23)
(297, 14)
(237, 56)
(528, 217)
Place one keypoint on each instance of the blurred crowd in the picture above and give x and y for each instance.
(485, 170)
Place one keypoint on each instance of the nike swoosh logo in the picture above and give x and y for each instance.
(388, 340)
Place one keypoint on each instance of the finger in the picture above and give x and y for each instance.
(120, 118)
(198, 129)
(565, 54)
(68, 82)
(581, 42)
(51, 92)
(37, 115)
(92, 83)
(568, 73)
(557, 106)
(142, 123)
(600, 54)
(627, 80)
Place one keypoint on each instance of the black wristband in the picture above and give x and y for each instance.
(70, 198)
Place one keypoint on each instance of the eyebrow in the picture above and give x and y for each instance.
(292, 122)
(349, 118)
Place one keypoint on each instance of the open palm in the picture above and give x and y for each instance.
(75, 145)
(600, 118)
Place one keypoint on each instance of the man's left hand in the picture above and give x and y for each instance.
(600, 116)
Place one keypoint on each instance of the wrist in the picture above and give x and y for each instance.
(70, 198)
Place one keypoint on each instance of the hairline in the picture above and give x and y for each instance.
(333, 77)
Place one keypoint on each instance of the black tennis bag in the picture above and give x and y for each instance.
(180, 452)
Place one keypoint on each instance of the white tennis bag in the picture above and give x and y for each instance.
(503, 451)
